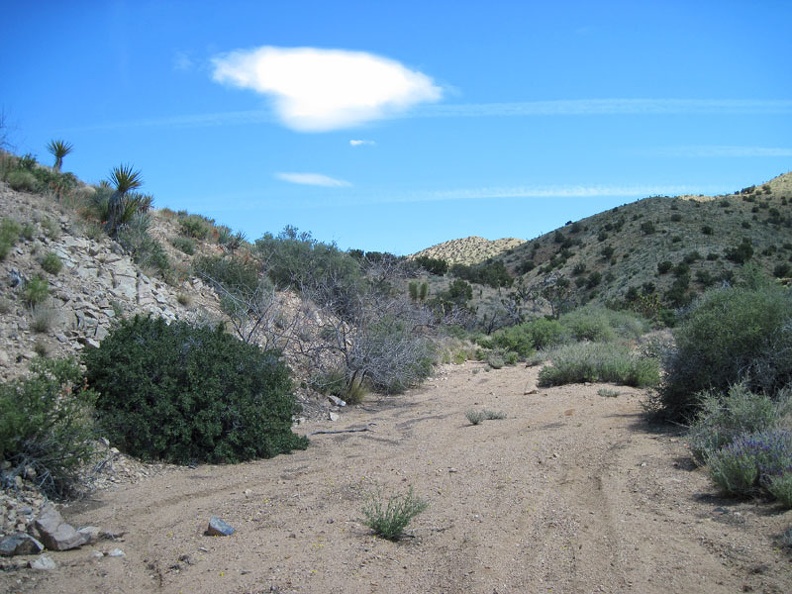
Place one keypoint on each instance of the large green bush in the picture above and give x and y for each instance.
(46, 426)
(730, 336)
(184, 394)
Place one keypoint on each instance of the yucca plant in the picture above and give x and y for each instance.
(59, 149)
(124, 179)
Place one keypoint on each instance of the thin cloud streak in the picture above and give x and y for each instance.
(546, 193)
(577, 107)
(615, 106)
(722, 151)
(313, 179)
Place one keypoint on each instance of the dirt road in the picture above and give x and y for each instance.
(572, 492)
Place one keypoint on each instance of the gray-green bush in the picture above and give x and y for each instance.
(46, 426)
(730, 336)
(599, 362)
(724, 417)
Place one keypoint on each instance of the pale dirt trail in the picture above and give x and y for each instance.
(573, 492)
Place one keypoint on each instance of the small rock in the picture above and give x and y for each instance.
(43, 563)
(218, 527)
(116, 553)
(91, 534)
(20, 544)
(332, 416)
(55, 533)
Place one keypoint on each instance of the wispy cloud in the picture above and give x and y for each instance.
(572, 107)
(315, 90)
(577, 107)
(313, 179)
(357, 142)
(182, 61)
(549, 192)
(705, 151)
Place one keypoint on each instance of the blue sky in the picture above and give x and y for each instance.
(396, 125)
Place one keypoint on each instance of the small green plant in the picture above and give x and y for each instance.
(43, 318)
(50, 228)
(476, 417)
(36, 292)
(51, 263)
(389, 520)
(780, 487)
(9, 235)
(608, 393)
(22, 181)
(195, 226)
(184, 244)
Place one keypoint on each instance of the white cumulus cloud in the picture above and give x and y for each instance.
(313, 179)
(315, 90)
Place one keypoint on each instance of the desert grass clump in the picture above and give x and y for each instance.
(184, 244)
(51, 263)
(9, 234)
(476, 417)
(42, 320)
(599, 362)
(35, 292)
(389, 519)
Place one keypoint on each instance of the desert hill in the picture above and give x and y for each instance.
(469, 250)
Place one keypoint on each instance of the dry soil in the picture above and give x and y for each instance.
(572, 492)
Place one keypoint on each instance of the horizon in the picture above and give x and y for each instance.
(395, 128)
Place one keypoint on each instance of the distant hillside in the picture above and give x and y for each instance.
(470, 250)
(663, 249)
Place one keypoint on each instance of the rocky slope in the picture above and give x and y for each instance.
(97, 283)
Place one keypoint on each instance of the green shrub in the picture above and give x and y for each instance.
(599, 362)
(748, 465)
(723, 418)
(45, 425)
(9, 235)
(35, 292)
(146, 251)
(184, 244)
(780, 487)
(51, 263)
(235, 276)
(389, 520)
(588, 323)
(182, 393)
(475, 417)
(195, 226)
(730, 336)
(22, 180)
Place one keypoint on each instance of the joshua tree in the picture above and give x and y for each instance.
(124, 179)
(59, 149)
